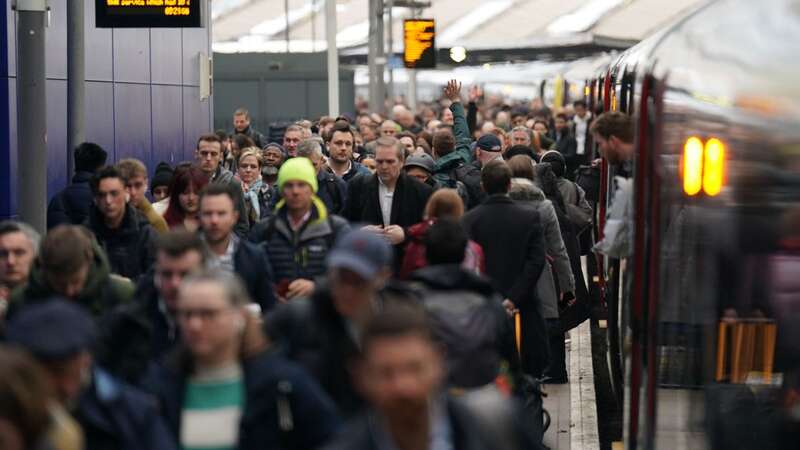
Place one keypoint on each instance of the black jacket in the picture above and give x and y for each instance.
(257, 137)
(268, 380)
(452, 285)
(115, 416)
(251, 263)
(71, 205)
(131, 247)
(313, 334)
(363, 205)
(332, 191)
(512, 240)
(567, 145)
(303, 255)
(467, 432)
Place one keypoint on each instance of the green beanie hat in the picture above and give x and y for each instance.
(298, 169)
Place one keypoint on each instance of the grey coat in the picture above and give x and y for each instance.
(524, 190)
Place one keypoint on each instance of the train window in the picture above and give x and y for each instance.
(692, 166)
(713, 167)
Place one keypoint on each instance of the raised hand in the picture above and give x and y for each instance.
(453, 91)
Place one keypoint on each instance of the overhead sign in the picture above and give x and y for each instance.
(419, 37)
(147, 13)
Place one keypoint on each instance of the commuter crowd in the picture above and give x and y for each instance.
(368, 282)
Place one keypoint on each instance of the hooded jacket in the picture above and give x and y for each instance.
(71, 205)
(101, 293)
(524, 190)
(131, 247)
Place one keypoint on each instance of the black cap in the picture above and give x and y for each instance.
(54, 330)
(162, 176)
(556, 161)
(520, 150)
(489, 143)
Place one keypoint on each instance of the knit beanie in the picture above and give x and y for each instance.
(298, 169)
(162, 175)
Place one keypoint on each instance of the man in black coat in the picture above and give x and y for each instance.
(123, 232)
(218, 217)
(390, 201)
(567, 145)
(241, 125)
(71, 205)
(512, 240)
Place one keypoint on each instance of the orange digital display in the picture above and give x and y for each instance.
(147, 13)
(419, 37)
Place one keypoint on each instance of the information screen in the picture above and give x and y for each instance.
(419, 37)
(147, 13)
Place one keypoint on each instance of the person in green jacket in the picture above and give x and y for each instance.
(71, 264)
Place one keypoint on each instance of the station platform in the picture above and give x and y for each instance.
(573, 406)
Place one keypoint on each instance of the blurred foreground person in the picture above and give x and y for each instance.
(402, 376)
(71, 264)
(358, 268)
(113, 415)
(26, 414)
(225, 389)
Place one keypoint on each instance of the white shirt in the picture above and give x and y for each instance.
(580, 131)
(386, 198)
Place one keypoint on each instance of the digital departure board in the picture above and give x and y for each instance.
(419, 37)
(148, 13)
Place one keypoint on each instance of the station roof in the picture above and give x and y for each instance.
(492, 29)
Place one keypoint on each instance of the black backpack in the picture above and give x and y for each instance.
(465, 324)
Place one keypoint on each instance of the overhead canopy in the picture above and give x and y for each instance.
(490, 30)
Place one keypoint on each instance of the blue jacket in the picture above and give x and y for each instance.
(308, 422)
(115, 416)
(71, 205)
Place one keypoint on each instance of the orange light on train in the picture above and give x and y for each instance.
(714, 167)
(692, 166)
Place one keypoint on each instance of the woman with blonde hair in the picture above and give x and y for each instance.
(257, 194)
(443, 204)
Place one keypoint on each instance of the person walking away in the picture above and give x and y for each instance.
(443, 204)
(566, 145)
(71, 205)
(225, 389)
(512, 239)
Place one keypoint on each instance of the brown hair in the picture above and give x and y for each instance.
(521, 166)
(24, 395)
(131, 167)
(210, 137)
(444, 203)
(614, 123)
(396, 321)
(387, 141)
(175, 243)
(443, 142)
(65, 248)
(496, 177)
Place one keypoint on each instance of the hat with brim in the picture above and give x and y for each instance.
(362, 252)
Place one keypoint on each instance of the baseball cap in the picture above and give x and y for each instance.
(53, 330)
(489, 143)
(423, 161)
(362, 252)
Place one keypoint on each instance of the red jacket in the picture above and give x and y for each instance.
(415, 252)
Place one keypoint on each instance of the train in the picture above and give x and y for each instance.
(704, 315)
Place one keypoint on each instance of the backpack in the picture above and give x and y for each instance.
(464, 323)
(588, 178)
